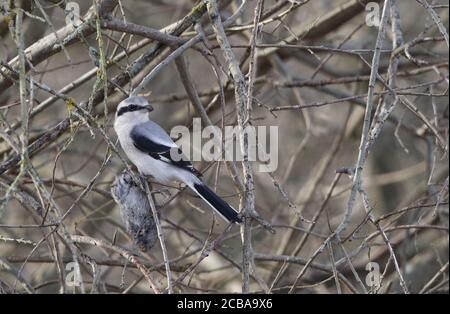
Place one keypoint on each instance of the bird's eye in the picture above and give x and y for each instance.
(132, 107)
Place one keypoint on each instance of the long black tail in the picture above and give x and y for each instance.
(222, 207)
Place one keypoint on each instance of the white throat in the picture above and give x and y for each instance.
(130, 119)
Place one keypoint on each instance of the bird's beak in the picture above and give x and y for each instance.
(149, 108)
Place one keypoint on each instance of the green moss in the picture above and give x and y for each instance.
(199, 8)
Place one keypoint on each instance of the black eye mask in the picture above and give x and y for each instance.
(128, 109)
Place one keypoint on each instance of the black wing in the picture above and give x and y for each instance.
(161, 152)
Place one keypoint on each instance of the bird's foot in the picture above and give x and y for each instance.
(163, 191)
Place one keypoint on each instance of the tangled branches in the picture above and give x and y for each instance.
(357, 91)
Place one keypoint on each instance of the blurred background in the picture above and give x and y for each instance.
(298, 82)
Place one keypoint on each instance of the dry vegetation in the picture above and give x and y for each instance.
(362, 177)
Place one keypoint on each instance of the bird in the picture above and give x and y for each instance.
(154, 153)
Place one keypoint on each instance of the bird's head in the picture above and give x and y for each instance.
(134, 108)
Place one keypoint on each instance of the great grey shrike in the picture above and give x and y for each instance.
(155, 154)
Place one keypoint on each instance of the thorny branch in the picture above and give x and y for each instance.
(336, 87)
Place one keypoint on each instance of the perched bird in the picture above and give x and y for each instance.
(155, 154)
